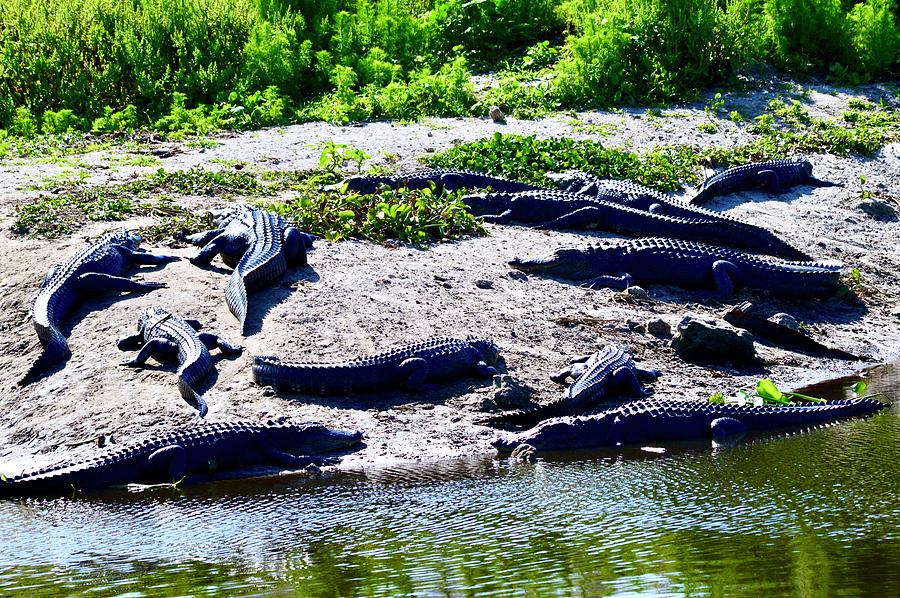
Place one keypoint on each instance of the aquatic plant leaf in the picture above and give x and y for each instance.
(767, 390)
(859, 388)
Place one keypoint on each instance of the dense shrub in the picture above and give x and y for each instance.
(195, 65)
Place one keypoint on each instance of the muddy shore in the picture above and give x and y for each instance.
(357, 297)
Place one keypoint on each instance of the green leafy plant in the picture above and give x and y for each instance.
(765, 393)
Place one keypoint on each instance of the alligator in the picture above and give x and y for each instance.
(440, 179)
(640, 197)
(665, 420)
(188, 454)
(258, 244)
(561, 209)
(408, 367)
(232, 237)
(774, 175)
(163, 334)
(686, 264)
(594, 376)
(95, 268)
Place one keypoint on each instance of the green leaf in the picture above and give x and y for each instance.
(767, 390)
(859, 388)
(717, 398)
(797, 395)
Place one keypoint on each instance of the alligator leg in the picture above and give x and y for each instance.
(626, 377)
(169, 462)
(587, 217)
(195, 324)
(573, 370)
(289, 460)
(644, 374)
(615, 282)
(146, 259)
(212, 341)
(131, 343)
(484, 370)
(95, 281)
(771, 181)
(726, 426)
(295, 244)
(723, 274)
(416, 370)
(501, 218)
(155, 346)
(450, 182)
(204, 237)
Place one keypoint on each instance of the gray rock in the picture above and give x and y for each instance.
(786, 320)
(878, 209)
(524, 452)
(507, 393)
(496, 114)
(517, 275)
(659, 327)
(484, 284)
(712, 341)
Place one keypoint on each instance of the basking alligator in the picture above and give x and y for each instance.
(407, 367)
(561, 209)
(663, 420)
(594, 376)
(258, 244)
(97, 267)
(448, 180)
(686, 264)
(162, 334)
(637, 196)
(774, 175)
(172, 456)
(232, 237)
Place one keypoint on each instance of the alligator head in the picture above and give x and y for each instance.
(152, 316)
(564, 433)
(127, 238)
(309, 438)
(489, 351)
(572, 263)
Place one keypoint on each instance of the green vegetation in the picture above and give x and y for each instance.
(766, 393)
(196, 66)
(783, 130)
(416, 217)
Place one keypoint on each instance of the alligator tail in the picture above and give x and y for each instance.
(56, 350)
(192, 396)
(236, 297)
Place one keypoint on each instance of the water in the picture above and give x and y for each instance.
(815, 513)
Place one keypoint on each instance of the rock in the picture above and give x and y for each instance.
(786, 320)
(269, 391)
(517, 275)
(712, 341)
(508, 393)
(484, 284)
(659, 327)
(878, 209)
(636, 292)
(496, 114)
(633, 325)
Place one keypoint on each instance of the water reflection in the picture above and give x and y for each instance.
(811, 513)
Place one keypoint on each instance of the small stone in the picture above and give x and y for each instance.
(269, 391)
(440, 278)
(447, 285)
(659, 327)
(786, 320)
(496, 114)
(713, 341)
(239, 166)
(484, 284)
(632, 325)
(517, 275)
(636, 292)
(878, 209)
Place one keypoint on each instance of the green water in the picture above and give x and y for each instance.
(814, 513)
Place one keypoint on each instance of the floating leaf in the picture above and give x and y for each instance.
(859, 388)
(767, 390)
